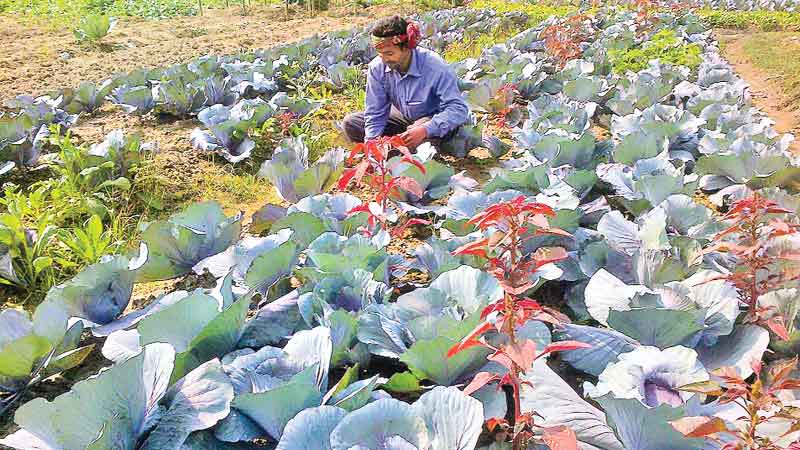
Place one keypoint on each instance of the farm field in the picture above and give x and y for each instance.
(192, 256)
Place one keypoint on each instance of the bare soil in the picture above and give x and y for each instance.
(766, 89)
(35, 59)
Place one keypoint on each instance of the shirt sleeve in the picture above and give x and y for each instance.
(454, 110)
(377, 105)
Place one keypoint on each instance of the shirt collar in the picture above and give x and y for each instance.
(413, 69)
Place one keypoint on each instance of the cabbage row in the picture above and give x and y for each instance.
(229, 95)
(292, 345)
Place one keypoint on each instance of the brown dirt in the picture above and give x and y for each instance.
(765, 88)
(31, 59)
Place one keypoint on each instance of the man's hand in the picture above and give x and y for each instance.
(414, 136)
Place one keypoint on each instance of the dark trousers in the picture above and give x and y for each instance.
(353, 126)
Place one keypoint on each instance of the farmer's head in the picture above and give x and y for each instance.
(394, 41)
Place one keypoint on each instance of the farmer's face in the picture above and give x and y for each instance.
(395, 57)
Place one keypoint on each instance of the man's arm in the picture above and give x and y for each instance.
(454, 112)
(377, 102)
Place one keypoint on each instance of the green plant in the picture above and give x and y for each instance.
(88, 243)
(472, 46)
(94, 27)
(664, 46)
(754, 20)
(27, 230)
(537, 12)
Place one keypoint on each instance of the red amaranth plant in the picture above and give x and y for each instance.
(563, 40)
(505, 96)
(512, 223)
(762, 265)
(285, 121)
(374, 169)
(759, 401)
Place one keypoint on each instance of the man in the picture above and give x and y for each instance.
(411, 92)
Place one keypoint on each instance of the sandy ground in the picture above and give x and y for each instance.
(765, 88)
(35, 59)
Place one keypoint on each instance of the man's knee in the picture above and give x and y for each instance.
(353, 127)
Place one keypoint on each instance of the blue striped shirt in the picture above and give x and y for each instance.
(428, 89)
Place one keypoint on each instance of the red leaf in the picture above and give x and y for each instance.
(516, 287)
(358, 209)
(699, 426)
(777, 326)
(357, 149)
(344, 180)
(410, 222)
(470, 340)
(494, 422)
(528, 304)
(560, 438)
(547, 255)
(522, 353)
(410, 185)
(361, 169)
(503, 359)
(562, 346)
(477, 248)
(496, 306)
(416, 163)
(480, 380)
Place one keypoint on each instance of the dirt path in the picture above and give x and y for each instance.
(765, 88)
(35, 59)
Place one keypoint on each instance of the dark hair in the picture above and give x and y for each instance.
(390, 26)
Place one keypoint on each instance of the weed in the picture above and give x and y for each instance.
(757, 226)
(664, 46)
(752, 20)
(517, 273)
(760, 404)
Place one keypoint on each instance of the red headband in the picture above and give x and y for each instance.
(411, 37)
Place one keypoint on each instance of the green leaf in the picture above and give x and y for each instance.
(41, 263)
(120, 183)
(662, 328)
(94, 228)
(306, 227)
(428, 359)
(18, 357)
(271, 266)
(68, 360)
(219, 337)
(350, 375)
(402, 383)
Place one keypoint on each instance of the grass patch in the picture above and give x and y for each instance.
(66, 13)
(664, 46)
(236, 192)
(752, 20)
(537, 12)
(472, 45)
(777, 53)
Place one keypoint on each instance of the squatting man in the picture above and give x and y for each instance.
(411, 91)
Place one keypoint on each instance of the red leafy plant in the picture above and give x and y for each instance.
(760, 403)
(646, 18)
(505, 97)
(285, 122)
(763, 264)
(509, 224)
(563, 40)
(371, 166)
